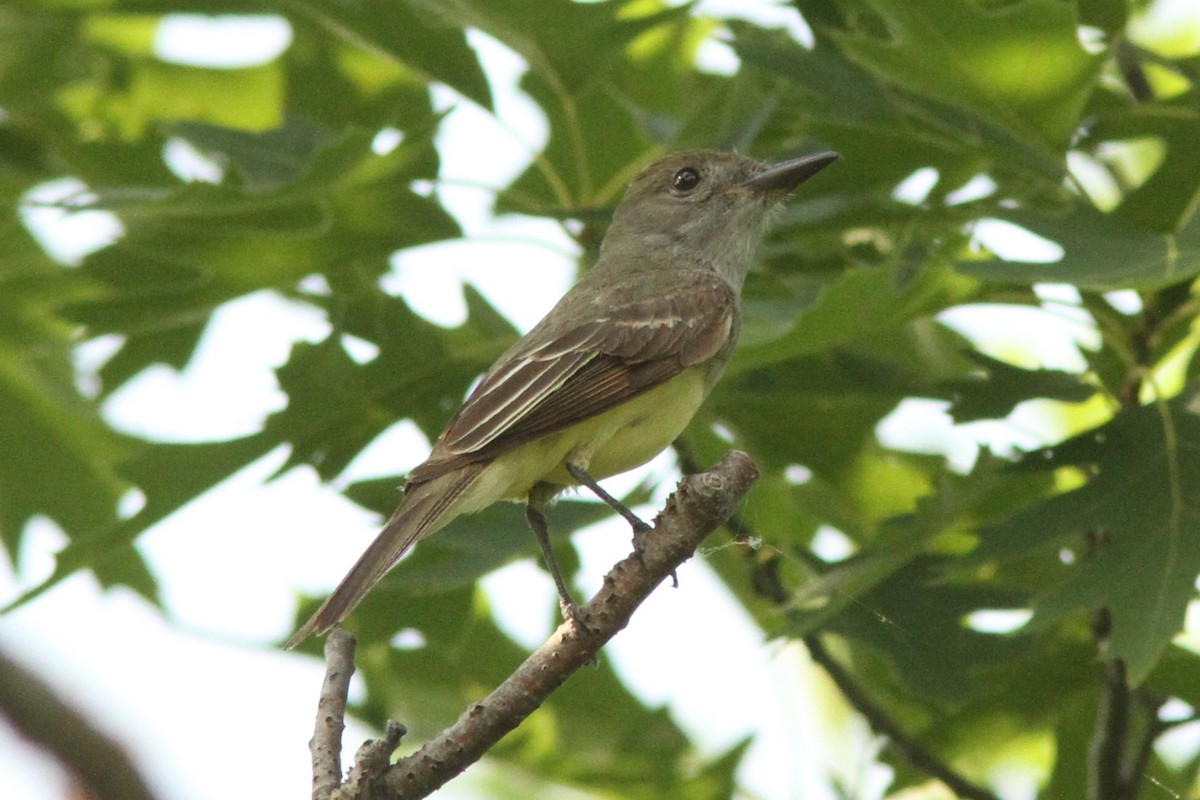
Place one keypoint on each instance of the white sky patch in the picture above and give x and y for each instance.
(524, 601)
(1127, 301)
(1093, 177)
(1044, 337)
(1060, 293)
(1171, 27)
(830, 544)
(1014, 243)
(68, 235)
(398, 449)
(715, 56)
(916, 187)
(189, 164)
(797, 474)
(998, 620)
(360, 351)
(977, 188)
(387, 140)
(219, 395)
(922, 425)
(224, 41)
(780, 15)
(89, 356)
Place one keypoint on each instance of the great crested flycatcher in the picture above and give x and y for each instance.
(612, 375)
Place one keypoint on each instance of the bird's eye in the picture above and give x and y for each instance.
(685, 180)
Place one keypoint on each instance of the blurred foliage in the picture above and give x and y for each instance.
(1046, 114)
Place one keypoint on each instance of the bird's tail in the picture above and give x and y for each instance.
(421, 512)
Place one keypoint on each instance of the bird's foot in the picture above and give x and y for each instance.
(640, 530)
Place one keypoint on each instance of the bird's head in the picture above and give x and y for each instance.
(706, 207)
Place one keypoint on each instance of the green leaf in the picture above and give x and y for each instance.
(1109, 16)
(422, 371)
(1166, 202)
(250, 98)
(589, 68)
(915, 619)
(169, 476)
(884, 131)
(265, 160)
(53, 438)
(937, 520)
(1101, 252)
(857, 305)
(329, 417)
(1073, 733)
(52, 434)
(1022, 65)
(717, 779)
(1140, 508)
(411, 32)
(994, 393)
(188, 249)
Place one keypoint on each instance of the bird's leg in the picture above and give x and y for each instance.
(640, 528)
(537, 523)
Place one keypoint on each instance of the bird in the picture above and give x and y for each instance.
(614, 372)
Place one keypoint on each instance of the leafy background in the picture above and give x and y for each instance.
(964, 126)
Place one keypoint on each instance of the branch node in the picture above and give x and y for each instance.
(370, 765)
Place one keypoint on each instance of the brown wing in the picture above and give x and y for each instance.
(558, 375)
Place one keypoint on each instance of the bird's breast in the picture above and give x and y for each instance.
(609, 443)
(641, 429)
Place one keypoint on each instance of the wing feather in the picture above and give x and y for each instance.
(603, 355)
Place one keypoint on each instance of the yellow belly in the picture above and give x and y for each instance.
(609, 443)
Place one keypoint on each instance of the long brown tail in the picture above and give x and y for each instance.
(421, 512)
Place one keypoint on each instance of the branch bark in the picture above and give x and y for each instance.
(1106, 750)
(326, 743)
(97, 762)
(700, 505)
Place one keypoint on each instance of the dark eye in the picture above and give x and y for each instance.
(685, 180)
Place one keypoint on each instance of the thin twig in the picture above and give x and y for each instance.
(100, 764)
(1129, 64)
(326, 742)
(1117, 756)
(1106, 751)
(883, 724)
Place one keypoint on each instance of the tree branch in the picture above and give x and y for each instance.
(1106, 751)
(99, 763)
(699, 506)
(883, 724)
(326, 742)
(1153, 727)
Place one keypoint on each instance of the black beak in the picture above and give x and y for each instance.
(786, 176)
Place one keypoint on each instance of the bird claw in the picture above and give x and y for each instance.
(574, 613)
(640, 530)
